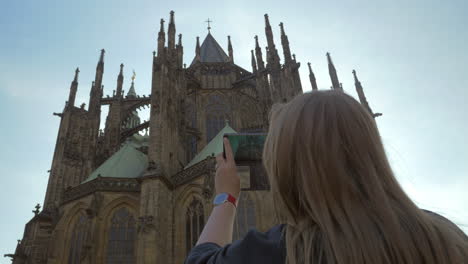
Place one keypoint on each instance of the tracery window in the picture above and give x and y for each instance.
(245, 217)
(217, 113)
(121, 238)
(78, 239)
(195, 220)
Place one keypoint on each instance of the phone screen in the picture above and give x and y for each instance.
(246, 146)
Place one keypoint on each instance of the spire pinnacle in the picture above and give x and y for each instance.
(77, 71)
(131, 91)
(180, 40)
(101, 58)
(171, 32)
(197, 48)
(285, 44)
(313, 81)
(256, 42)
(162, 26)
(172, 17)
(258, 55)
(333, 74)
(267, 20)
(282, 28)
(230, 50)
(362, 96)
(121, 69)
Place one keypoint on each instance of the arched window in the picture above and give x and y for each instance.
(78, 238)
(245, 217)
(195, 220)
(217, 112)
(121, 238)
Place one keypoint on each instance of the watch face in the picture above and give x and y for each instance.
(220, 198)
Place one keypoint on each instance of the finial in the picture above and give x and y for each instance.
(154, 53)
(101, 58)
(282, 28)
(226, 122)
(77, 71)
(172, 17)
(121, 68)
(355, 76)
(209, 27)
(36, 212)
(180, 40)
(162, 25)
(310, 67)
(329, 58)
(256, 42)
(133, 76)
(294, 57)
(267, 21)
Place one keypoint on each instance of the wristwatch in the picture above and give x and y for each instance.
(224, 197)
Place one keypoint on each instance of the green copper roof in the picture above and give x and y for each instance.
(128, 162)
(214, 147)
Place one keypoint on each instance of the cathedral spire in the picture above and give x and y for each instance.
(120, 79)
(231, 54)
(131, 92)
(258, 55)
(272, 54)
(171, 32)
(254, 64)
(285, 44)
(333, 74)
(96, 90)
(312, 79)
(73, 89)
(161, 39)
(362, 96)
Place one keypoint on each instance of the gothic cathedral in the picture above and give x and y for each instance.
(140, 192)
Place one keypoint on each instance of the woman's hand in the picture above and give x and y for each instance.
(227, 178)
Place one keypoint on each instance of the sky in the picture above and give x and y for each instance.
(411, 57)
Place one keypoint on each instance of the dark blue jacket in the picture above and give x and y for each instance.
(255, 247)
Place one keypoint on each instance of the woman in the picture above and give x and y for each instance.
(333, 188)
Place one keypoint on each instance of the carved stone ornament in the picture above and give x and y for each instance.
(145, 223)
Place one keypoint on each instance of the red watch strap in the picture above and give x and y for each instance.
(232, 199)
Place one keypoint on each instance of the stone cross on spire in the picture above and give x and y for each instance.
(209, 27)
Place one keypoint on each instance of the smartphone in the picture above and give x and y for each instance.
(246, 147)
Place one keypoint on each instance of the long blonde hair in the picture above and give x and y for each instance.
(333, 186)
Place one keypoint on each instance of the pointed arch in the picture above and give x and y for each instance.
(121, 238)
(79, 233)
(245, 217)
(119, 230)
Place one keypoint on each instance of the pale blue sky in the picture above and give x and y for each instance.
(411, 57)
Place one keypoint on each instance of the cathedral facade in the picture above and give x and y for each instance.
(121, 195)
